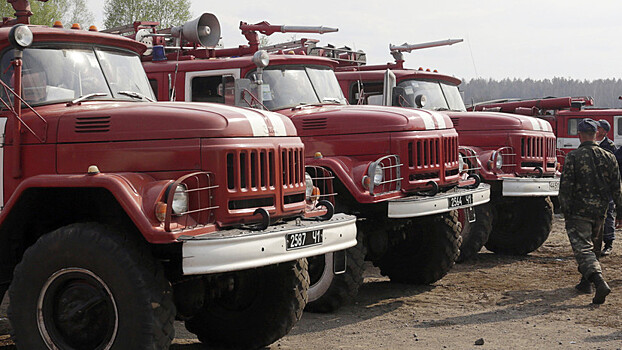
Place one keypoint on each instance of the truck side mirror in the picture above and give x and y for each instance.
(388, 85)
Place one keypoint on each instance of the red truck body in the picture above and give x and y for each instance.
(389, 163)
(563, 113)
(146, 211)
(515, 154)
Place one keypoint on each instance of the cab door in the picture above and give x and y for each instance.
(617, 130)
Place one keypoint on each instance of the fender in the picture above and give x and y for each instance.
(136, 193)
(351, 173)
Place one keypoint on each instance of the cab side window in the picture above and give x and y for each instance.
(208, 89)
(572, 126)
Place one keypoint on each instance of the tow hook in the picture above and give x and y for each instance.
(431, 192)
(539, 170)
(478, 181)
(265, 219)
(330, 209)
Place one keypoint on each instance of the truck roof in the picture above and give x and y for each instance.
(48, 34)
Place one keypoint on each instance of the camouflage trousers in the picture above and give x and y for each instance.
(586, 238)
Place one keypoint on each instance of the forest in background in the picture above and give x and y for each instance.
(604, 91)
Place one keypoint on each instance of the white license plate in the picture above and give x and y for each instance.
(459, 201)
(304, 239)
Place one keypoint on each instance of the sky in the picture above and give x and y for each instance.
(502, 39)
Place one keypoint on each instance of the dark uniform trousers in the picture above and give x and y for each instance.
(586, 238)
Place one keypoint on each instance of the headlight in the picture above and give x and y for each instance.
(460, 163)
(180, 200)
(309, 186)
(20, 36)
(498, 161)
(378, 175)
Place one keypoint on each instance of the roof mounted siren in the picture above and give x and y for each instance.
(203, 30)
(397, 50)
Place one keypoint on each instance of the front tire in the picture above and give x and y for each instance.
(263, 306)
(328, 291)
(85, 286)
(423, 250)
(520, 225)
(474, 234)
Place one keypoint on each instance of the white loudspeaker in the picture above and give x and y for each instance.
(203, 30)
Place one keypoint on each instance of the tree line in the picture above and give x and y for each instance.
(604, 91)
(116, 12)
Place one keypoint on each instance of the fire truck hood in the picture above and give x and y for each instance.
(350, 119)
(118, 121)
(486, 121)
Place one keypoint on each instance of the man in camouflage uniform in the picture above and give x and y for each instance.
(589, 179)
(609, 228)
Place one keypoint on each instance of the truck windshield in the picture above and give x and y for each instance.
(53, 74)
(290, 86)
(437, 95)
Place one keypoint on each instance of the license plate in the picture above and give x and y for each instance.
(554, 185)
(304, 239)
(459, 201)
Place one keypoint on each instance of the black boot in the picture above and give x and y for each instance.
(585, 286)
(607, 249)
(602, 288)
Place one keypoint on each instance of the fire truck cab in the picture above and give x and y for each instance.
(120, 214)
(396, 169)
(516, 155)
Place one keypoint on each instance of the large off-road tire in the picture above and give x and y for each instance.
(263, 306)
(328, 291)
(85, 286)
(422, 250)
(474, 234)
(520, 225)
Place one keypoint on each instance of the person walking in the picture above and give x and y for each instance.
(590, 178)
(609, 230)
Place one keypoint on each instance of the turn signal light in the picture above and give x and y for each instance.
(160, 211)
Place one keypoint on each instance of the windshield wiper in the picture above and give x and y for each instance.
(331, 99)
(440, 109)
(135, 94)
(86, 97)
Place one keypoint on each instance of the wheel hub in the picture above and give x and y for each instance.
(76, 310)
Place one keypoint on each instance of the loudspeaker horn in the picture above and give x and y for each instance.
(203, 30)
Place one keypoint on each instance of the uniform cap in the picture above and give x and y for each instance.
(587, 125)
(604, 124)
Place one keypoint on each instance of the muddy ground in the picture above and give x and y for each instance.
(510, 302)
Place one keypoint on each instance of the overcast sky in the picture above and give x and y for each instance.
(515, 39)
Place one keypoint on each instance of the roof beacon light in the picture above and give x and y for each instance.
(58, 24)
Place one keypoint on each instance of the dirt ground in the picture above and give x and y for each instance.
(509, 302)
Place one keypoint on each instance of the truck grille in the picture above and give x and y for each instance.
(428, 157)
(252, 169)
(538, 151)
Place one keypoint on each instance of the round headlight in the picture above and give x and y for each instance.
(180, 200)
(20, 36)
(421, 100)
(378, 175)
(460, 162)
(308, 185)
(498, 161)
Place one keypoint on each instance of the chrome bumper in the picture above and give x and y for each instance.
(414, 206)
(530, 187)
(236, 249)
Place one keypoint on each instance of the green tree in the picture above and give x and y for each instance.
(46, 13)
(167, 12)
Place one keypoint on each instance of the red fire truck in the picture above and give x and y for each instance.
(396, 169)
(516, 155)
(563, 113)
(120, 215)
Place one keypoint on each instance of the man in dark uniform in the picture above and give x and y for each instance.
(589, 180)
(609, 229)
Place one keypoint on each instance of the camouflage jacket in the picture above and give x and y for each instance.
(607, 144)
(589, 179)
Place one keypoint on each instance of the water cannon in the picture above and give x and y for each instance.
(266, 28)
(396, 50)
(203, 30)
